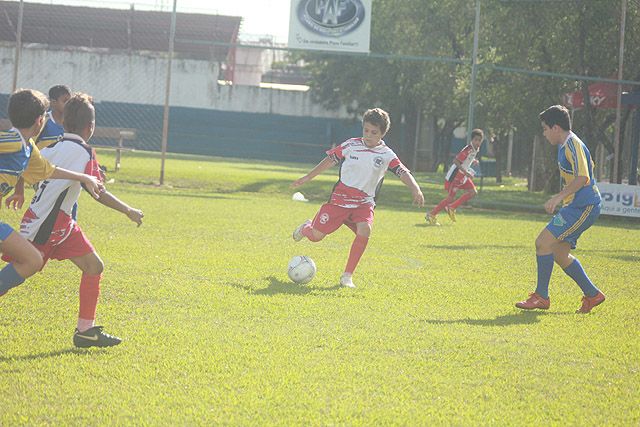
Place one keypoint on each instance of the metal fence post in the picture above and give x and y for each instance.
(474, 72)
(623, 18)
(16, 62)
(165, 119)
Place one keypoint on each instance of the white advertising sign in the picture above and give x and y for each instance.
(334, 25)
(620, 199)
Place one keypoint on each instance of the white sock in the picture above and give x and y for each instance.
(84, 324)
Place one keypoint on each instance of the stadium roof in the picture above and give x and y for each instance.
(197, 35)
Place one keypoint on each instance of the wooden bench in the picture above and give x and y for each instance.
(118, 134)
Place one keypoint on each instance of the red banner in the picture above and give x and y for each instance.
(602, 95)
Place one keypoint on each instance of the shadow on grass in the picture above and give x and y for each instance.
(435, 227)
(629, 258)
(471, 247)
(48, 354)
(519, 318)
(277, 286)
(620, 254)
(185, 192)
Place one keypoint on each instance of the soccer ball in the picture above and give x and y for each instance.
(301, 269)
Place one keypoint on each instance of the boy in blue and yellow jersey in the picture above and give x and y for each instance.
(54, 127)
(20, 157)
(580, 200)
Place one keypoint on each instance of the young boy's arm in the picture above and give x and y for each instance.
(462, 170)
(574, 186)
(17, 198)
(325, 164)
(40, 169)
(409, 181)
(90, 183)
(111, 201)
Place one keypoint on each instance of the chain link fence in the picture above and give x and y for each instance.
(238, 95)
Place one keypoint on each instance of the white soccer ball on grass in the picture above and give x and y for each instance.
(301, 269)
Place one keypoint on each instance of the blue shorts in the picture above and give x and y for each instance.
(5, 231)
(569, 223)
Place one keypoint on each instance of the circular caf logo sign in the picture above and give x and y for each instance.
(332, 18)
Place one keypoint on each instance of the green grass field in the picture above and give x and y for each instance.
(215, 333)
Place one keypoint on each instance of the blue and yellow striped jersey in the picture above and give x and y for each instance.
(575, 160)
(20, 158)
(51, 133)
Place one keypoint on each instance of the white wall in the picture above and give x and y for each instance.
(141, 77)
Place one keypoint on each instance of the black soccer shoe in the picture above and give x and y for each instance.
(94, 337)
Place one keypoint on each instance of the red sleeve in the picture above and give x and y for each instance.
(463, 154)
(397, 167)
(93, 167)
(336, 154)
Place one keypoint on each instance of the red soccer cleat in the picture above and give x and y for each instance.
(534, 301)
(589, 302)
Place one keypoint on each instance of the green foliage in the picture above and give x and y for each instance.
(214, 332)
(426, 49)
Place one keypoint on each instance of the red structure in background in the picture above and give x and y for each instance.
(602, 95)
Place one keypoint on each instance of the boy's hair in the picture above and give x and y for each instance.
(57, 91)
(477, 132)
(25, 106)
(78, 112)
(378, 117)
(556, 115)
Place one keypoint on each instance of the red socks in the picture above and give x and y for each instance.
(89, 292)
(357, 249)
(462, 199)
(307, 232)
(440, 206)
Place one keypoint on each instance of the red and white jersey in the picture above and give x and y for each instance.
(466, 156)
(49, 215)
(362, 170)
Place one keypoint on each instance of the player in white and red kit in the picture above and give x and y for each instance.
(459, 177)
(363, 163)
(48, 223)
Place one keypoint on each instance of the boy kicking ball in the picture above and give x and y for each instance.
(363, 163)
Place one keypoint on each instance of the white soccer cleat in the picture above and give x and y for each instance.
(297, 233)
(346, 281)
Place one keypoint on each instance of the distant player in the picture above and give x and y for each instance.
(20, 157)
(363, 163)
(459, 177)
(48, 223)
(53, 127)
(580, 200)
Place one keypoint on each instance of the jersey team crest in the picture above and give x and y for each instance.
(559, 221)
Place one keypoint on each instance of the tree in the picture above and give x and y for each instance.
(421, 65)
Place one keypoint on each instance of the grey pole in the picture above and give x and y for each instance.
(16, 61)
(474, 72)
(165, 119)
(623, 18)
(416, 141)
(509, 152)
